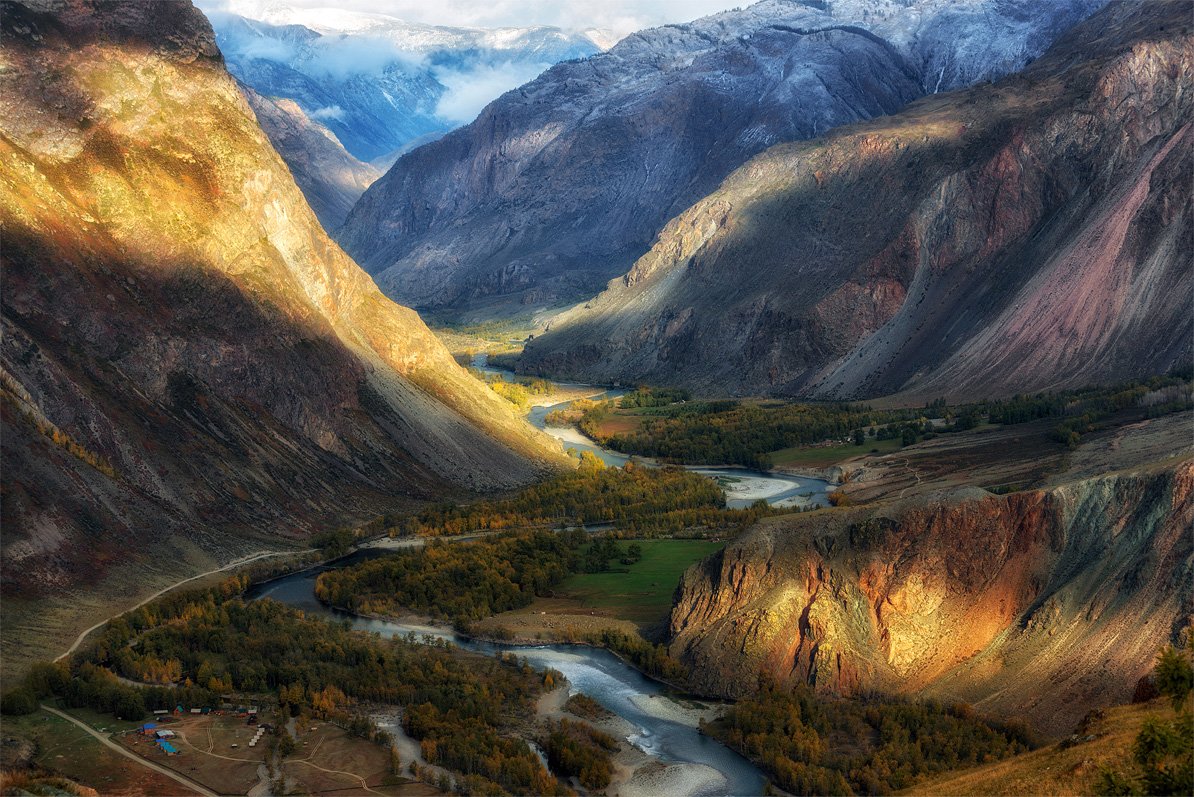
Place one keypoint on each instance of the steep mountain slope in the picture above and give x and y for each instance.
(1026, 235)
(1037, 605)
(559, 185)
(330, 179)
(379, 83)
(188, 361)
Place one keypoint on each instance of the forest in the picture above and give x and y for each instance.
(575, 749)
(518, 392)
(462, 707)
(746, 433)
(869, 745)
(633, 499)
(457, 582)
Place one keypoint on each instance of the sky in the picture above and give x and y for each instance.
(617, 16)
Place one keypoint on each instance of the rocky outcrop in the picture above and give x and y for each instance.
(1037, 605)
(1025, 235)
(331, 180)
(561, 184)
(188, 362)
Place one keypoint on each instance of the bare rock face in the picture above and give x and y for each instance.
(187, 361)
(1035, 605)
(560, 185)
(1028, 234)
(330, 179)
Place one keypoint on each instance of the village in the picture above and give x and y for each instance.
(232, 749)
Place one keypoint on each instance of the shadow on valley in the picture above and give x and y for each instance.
(191, 406)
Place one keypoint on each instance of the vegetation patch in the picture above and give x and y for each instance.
(640, 591)
(636, 500)
(872, 745)
(665, 425)
(461, 707)
(587, 708)
(825, 456)
(575, 749)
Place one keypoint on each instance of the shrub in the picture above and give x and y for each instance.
(18, 701)
(1174, 675)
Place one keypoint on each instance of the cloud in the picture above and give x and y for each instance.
(619, 16)
(341, 57)
(240, 42)
(470, 90)
(330, 112)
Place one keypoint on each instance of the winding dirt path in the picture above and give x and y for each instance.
(183, 779)
(244, 560)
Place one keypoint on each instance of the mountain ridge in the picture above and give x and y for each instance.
(561, 184)
(943, 251)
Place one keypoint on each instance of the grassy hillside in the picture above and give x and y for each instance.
(1070, 767)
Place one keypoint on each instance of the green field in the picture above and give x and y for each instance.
(830, 455)
(641, 592)
(68, 750)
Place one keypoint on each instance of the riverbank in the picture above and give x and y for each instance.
(607, 678)
(637, 773)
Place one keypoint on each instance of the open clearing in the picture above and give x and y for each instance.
(641, 592)
(630, 599)
(67, 749)
(824, 456)
(328, 760)
(206, 753)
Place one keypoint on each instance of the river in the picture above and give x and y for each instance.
(615, 685)
(742, 486)
(621, 689)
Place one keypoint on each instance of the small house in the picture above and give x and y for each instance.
(148, 728)
(164, 734)
(161, 712)
(168, 748)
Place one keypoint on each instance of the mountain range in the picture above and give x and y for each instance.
(373, 85)
(562, 184)
(1026, 235)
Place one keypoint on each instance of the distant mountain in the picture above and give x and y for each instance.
(190, 367)
(377, 82)
(561, 184)
(1031, 234)
(330, 178)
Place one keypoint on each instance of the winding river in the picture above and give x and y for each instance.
(615, 685)
(662, 731)
(742, 486)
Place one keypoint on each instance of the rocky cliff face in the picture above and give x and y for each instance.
(559, 185)
(1024, 235)
(1037, 605)
(187, 360)
(331, 180)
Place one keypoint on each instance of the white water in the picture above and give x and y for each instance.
(665, 730)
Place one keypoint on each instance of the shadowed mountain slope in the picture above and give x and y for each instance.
(190, 366)
(1031, 234)
(561, 184)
